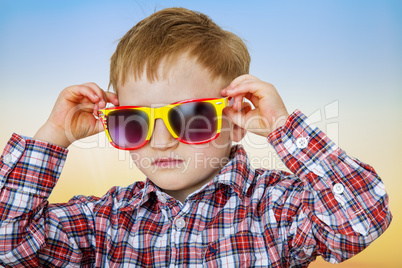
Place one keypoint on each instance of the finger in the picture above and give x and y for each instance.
(77, 94)
(86, 107)
(95, 109)
(76, 111)
(237, 81)
(232, 115)
(97, 90)
(246, 107)
(99, 126)
(256, 88)
(238, 102)
(106, 96)
(237, 116)
(112, 98)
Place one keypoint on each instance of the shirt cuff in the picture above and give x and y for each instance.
(301, 145)
(31, 166)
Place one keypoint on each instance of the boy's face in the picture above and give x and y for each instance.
(177, 168)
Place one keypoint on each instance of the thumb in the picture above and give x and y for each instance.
(99, 126)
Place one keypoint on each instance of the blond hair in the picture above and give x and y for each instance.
(165, 35)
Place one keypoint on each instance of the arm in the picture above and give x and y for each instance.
(342, 206)
(31, 231)
(29, 171)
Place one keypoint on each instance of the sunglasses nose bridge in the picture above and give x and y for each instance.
(162, 113)
(162, 137)
(158, 112)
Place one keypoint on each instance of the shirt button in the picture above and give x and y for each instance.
(7, 159)
(338, 188)
(301, 142)
(180, 223)
(162, 199)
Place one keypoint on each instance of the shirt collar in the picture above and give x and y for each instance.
(147, 188)
(237, 174)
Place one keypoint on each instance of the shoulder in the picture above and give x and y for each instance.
(119, 197)
(116, 198)
(276, 186)
(276, 196)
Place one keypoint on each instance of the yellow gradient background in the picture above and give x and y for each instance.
(339, 62)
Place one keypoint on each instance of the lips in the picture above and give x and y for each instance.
(167, 162)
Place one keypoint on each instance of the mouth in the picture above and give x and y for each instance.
(167, 162)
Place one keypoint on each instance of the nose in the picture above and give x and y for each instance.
(161, 138)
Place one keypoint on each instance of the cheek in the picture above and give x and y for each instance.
(136, 156)
(143, 162)
(214, 157)
(227, 125)
(224, 139)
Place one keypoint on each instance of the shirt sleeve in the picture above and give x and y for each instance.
(343, 204)
(29, 170)
(31, 233)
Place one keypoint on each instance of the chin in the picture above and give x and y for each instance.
(170, 183)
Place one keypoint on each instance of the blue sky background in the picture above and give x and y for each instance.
(337, 46)
(314, 52)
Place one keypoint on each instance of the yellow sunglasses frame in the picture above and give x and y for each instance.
(162, 113)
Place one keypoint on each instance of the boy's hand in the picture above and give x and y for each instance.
(269, 113)
(72, 117)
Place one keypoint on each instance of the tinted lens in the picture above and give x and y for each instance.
(128, 128)
(194, 121)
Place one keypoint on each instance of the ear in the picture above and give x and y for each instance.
(237, 133)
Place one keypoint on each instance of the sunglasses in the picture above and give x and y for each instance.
(193, 121)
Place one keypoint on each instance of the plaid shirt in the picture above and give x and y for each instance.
(332, 205)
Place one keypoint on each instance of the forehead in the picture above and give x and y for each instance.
(184, 79)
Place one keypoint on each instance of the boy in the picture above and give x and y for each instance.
(180, 81)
